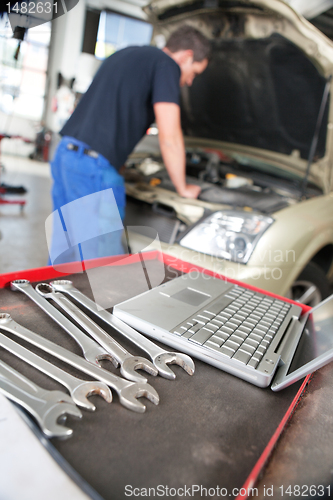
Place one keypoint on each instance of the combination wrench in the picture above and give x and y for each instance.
(127, 391)
(79, 389)
(45, 406)
(159, 356)
(128, 362)
(92, 351)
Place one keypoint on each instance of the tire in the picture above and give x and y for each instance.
(311, 286)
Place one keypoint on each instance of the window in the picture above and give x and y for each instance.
(23, 80)
(116, 31)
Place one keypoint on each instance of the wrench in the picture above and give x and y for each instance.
(79, 389)
(159, 356)
(92, 351)
(128, 363)
(127, 391)
(46, 406)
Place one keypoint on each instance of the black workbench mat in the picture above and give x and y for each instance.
(208, 430)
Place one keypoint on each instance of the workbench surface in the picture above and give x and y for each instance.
(209, 430)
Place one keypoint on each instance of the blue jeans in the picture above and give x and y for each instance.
(95, 226)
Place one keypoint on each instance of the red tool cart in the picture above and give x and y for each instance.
(6, 191)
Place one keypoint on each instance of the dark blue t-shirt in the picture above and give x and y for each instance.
(115, 112)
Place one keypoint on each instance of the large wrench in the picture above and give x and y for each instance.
(92, 351)
(127, 391)
(45, 406)
(159, 356)
(128, 363)
(79, 389)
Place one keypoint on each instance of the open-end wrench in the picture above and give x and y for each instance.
(127, 391)
(45, 406)
(159, 356)
(92, 351)
(128, 363)
(79, 389)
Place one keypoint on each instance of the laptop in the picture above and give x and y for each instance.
(259, 338)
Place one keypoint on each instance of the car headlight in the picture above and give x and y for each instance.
(229, 235)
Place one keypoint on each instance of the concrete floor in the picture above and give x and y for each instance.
(23, 242)
(22, 234)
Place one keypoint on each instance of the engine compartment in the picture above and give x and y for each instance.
(224, 180)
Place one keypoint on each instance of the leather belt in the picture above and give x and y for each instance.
(88, 152)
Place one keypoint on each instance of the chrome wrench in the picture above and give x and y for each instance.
(92, 351)
(45, 406)
(159, 356)
(127, 391)
(79, 389)
(128, 363)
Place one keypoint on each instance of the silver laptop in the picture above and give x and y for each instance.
(249, 334)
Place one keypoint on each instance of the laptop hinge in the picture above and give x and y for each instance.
(287, 344)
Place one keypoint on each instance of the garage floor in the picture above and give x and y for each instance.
(22, 235)
(23, 242)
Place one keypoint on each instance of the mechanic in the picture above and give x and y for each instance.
(133, 87)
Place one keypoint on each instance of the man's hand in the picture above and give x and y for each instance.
(171, 141)
(190, 191)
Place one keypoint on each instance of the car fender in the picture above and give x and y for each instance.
(295, 237)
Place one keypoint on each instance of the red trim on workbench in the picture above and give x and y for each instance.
(49, 272)
(254, 474)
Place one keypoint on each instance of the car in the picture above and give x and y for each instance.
(258, 127)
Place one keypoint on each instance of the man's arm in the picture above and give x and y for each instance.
(171, 141)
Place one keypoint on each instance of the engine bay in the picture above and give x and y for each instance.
(224, 180)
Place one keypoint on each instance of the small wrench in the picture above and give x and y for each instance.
(92, 351)
(46, 406)
(127, 391)
(159, 356)
(79, 389)
(128, 363)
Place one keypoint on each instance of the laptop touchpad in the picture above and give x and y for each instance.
(190, 296)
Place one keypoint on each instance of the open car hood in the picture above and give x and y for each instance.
(264, 85)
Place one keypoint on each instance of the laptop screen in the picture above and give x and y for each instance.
(317, 337)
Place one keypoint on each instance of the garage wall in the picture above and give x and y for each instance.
(22, 87)
(65, 57)
(16, 125)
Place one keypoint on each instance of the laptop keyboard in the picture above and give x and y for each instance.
(240, 325)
